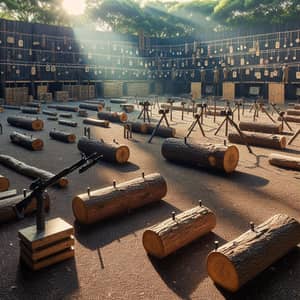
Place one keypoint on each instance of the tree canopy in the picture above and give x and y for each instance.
(160, 18)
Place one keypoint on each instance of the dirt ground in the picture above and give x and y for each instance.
(110, 261)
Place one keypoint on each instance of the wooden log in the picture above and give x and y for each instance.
(67, 123)
(111, 152)
(212, 108)
(297, 106)
(115, 200)
(12, 107)
(285, 161)
(203, 155)
(26, 123)
(139, 127)
(219, 113)
(82, 113)
(7, 211)
(26, 141)
(112, 116)
(63, 136)
(4, 183)
(128, 108)
(118, 101)
(172, 234)
(178, 108)
(293, 112)
(162, 131)
(102, 102)
(240, 260)
(261, 127)
(259, 139)
(49, 113)
(64, 107)
(65, 115)
(96, 122)
(8, 194)
(29, 171)
(52, 118)
(34, 104)
(290, 119)
(90, 106)
(30, 110)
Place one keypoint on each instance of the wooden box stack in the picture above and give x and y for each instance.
(16, 96)
(62, 96)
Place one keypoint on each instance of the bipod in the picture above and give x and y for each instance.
(163, 113)
(145, 111)
(281, 115)
(197, 121)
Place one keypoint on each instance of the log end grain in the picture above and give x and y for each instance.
(4, 183)
(123, 117)
(79, 210)
(122, 154)
(37, 145)
(72, 138)
(63, 182)
(37, 125)
(153, 244)
(231, 159)
(222, 271)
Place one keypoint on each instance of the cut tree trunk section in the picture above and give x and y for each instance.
(172, 234)
(162, 131)
(203, 155)
(90, 106)
(101, 204)
(261, 127)
(284, 161)
(114, 117)
(26, 141)
(259, 139)
(111, 152)
(29, 171)
(240, 260)
(290, 119)
(293, 112)
(4, 183)
(65, 115)
(96, 122)
(49, 112)
(63, 136)
(139, 127)
(30, 110)
(7, 211)
(67, 123)
(26, 123)
(64, 107)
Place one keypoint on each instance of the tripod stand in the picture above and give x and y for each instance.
(229, 120)
(281, 115)
(163, 113)
(197, 121)
(170, 101)
(145, 111)
(260, 107)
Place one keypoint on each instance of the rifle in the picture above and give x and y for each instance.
(38, 187)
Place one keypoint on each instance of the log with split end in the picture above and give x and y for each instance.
(205, 155)
(238, 261)
(29, 171)
(174, 233)
(7, 211)
(26, 141)
(117, 199)
(111, 152)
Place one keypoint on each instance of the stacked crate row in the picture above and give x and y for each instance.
(62, 96)
(80, 92)
(16, 96)
(42, 93)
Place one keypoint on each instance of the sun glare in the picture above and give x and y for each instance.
(74, 7)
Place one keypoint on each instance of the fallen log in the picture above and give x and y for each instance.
(219, 113)
(174, 233)
(34, 104)
(261, 127)
(7, 194)
(178, 108)
(82, 113)
(259, 139)
(63, 107)
(26, 123)
(65, 115)
(67, 123)
(290, 119)
(7, 211)
(203, 155)
(4, 183)
(285, 161)
(114, 200)
(162, 131)
(29, 171)
(63, 136)
(26, 141)
(128, 108)
(297, 106)
(102, 102)
(139, 127)
(52, 118)
(293, 112)
(49, 112)
(12, 107)
(111, 152)
(118, 101)
(90, 106)
(112, 116)
(96, 122)
(240, 260)
(30, 110)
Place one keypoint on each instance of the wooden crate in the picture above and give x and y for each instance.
(196, 90)
(276, 92)
(42, 89)
(229, 90)
(16, 96)
(45, 97)
(62, 96)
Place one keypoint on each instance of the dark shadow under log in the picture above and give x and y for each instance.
(29, 171)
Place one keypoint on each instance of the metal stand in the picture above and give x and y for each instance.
(229, 120)
(237, 105)
(1, 129)
(163, 113)
(197, 121)
(127, 131)
(281, 115)
(145, 111)
(182, 111)
(170, 101)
